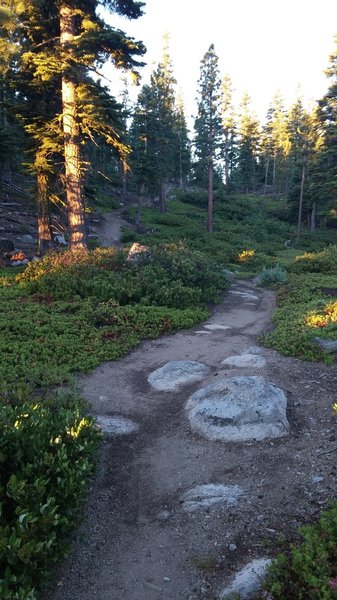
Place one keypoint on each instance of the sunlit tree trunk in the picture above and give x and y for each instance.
(300, 206)
(76, 215)
(210, 196)
(44, 233)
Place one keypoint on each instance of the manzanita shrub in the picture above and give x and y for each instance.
(47, 448)
(307, 571)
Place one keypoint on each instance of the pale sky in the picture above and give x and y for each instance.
(264, 45)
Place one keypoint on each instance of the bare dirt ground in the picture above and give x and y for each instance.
(136, 542)
(109, 229)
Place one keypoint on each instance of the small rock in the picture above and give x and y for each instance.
(327, 345)
(203, 496)
(253, 350)
(116, 425)
(247, 582)
(232, 547)
(167, 579)
(245, 295)
(245, 361)
(317, 479)
(216, 327)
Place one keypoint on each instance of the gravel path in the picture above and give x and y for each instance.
(138, 541)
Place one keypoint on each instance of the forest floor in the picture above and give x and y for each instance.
(136, 541)
(109, 228)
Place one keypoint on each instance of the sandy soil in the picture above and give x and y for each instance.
(136, 542)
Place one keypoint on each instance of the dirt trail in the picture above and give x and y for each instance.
(136, 542)
(109, 229)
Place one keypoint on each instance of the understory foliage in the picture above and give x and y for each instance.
(46, 456)
(307, 571)
(307, 307)
(73, 310)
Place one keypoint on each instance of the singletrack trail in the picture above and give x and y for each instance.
(139, 540)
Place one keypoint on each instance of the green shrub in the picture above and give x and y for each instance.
(273, 275)
(47, 448)
(320, 262)
(308, 571)
(294, 326)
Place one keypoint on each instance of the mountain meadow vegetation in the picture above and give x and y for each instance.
(238, 198)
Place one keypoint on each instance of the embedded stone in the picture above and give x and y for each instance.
(116, 425)
(246, 295)
(247, 582)
(216, 327)
(245, 360)
(327, 345)
(176, 374)
(239, 409)
(203, 496)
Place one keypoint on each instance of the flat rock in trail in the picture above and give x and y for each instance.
(248, 581)
(176, 374)
(245, 295)
(245, 361)
(216, 327)
(116, 425)
(203, 496)
(239, 409)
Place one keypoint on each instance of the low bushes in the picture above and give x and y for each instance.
(47, 447)
(307, 571)
(299, 318)
(320, 262)
(50, 315)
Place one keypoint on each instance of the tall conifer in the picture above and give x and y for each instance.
(208, 125)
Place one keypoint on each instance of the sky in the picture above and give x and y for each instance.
(263, 45)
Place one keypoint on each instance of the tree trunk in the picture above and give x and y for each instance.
(313, 217)
(139, 206)
(43, 221)
(210, 197)
(274, 177)
(300, 206)
(266, 175)
(76, 215)
(227, 162)
(162, 197)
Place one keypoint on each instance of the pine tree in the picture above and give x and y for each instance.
(183, 149)
(248, 148)
(326, 167)
(76, 41)
(305, 140)
(228, 127)
(275, 146)
(208, 132)
(159, 134)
